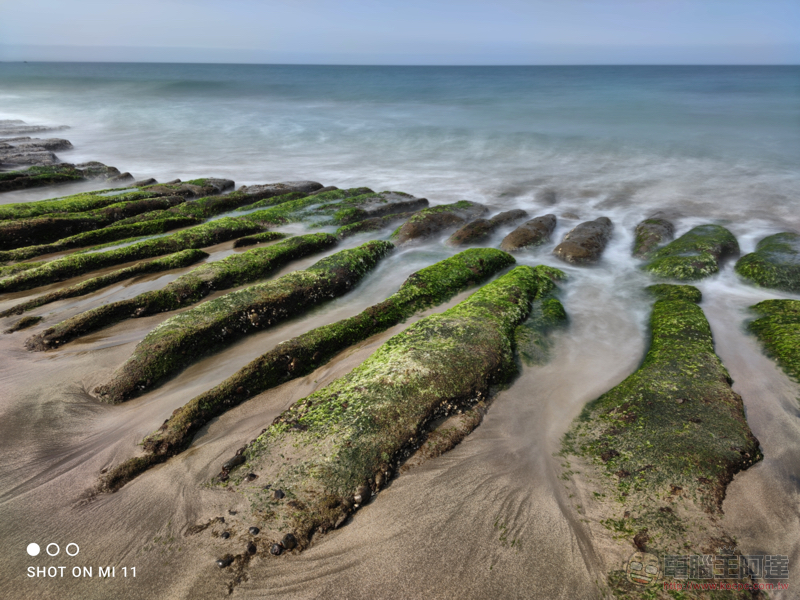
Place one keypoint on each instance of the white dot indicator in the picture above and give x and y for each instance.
(33, 549)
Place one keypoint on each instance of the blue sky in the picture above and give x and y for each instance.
(404, 32)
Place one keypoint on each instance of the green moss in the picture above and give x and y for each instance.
(184, 258)
(353, 432)
(9, 270)
(301, 355)
(39, 176)
(302, 209)
(649, 234)
(199, 236)
(273, 201)
(675, 421)
(23, 323)
(215, 324)
(668, 291)
(694, 255)
(47, 229)
(532, 337)
(114, 233)
(774, 264)
(71, 204)
(188, 289)
(259, 238)
(778, 329)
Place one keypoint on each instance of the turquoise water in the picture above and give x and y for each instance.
(720, 142)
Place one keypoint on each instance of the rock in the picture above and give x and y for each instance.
(17, 127)
(695, 255)
(225, 535)
(330, 188)
(289, 541)
(640, 540)
(225, 561)
(254, 530)
(251, 548)
(651, 233)
(775, 263)
(278, 495)
(363, 493)
(121, 177)
(531, 233)
(144, 182)
(276, 550)
(385, 203)
(480, 229)
(269, 190)
(251, 477)
(233, 462)
(586, 242)
(432, 220)
(570, 216)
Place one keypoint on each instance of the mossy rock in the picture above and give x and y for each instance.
(479, 230)
(331, 450)
(669, 291)
(73, 265)
(215, 324)
(432, 220)
(531, 233)
(532, 337)
(775, 263)
(184, 258)
(675, 423)
(695, 255)
(778, 329)
(301, 355)
(23, 323)
(188, 289)
(651, 233)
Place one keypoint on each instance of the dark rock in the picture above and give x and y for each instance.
(270, 190)
(233, 462)
(363, 493)
(480, 229)
(289, 541)
(225, 561)
(251, 477)
(432, 220)
(276, 550)
(121, 177)
(17, 127)
(278, 495)
(144, 182)
(254, 530)
(531, 233)
(251, 548)
(225, 535)
(586, 242)
(651, 233)
(330, 188)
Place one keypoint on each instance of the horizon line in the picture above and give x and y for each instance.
(312, 64)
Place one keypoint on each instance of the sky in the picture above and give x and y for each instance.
(441, 32)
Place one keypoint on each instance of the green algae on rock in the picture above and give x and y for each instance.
(480, 229)
(301, 355)
(90, 201)
(671, 291)
(259, 238)
(344, 441)
(100, 236)
(215, 324)
(38, 176)
(184, 258)
(190, 288)
(371, 224)
(532, 337)
(430, 221)
(672, 433)
(778, 329)
(23, 323)
(73, 265)
(775, 263)
(651, 233)
(694, 255)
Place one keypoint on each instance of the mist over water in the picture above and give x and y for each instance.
(702, 144)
